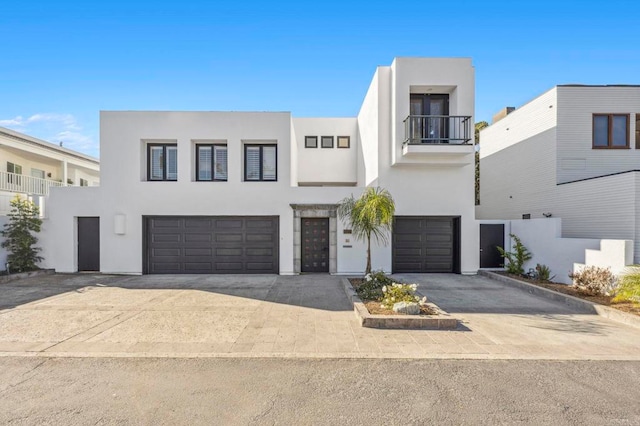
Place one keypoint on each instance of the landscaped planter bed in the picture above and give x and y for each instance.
(370, 314)
(629, 307)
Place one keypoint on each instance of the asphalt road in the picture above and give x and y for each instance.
(298, 391)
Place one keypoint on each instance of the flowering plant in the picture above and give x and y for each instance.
(397, 292)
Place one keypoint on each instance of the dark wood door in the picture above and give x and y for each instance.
(491, 236)
(212, 245)
(88, 244)
(315, 245)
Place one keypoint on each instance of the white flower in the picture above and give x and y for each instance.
(424, 300)
(414, 287)
(384, 288)
(393, 299)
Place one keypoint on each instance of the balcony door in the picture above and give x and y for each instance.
(430, 123)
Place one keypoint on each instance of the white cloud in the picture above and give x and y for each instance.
(55, 128)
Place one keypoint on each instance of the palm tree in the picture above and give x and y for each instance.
(370, 215)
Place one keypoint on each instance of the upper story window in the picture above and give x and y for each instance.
(344, 141)
(84, 182)
(211, 162)
(611, 131)
(637, 131)
(310, 141)
(327, 141)
(14, 168)
(260, 163)
(162, 162)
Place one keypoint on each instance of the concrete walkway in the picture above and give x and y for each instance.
(279, 316)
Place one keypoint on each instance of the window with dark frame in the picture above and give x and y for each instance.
(260, 163)
(637, 131)
(344, 141)
(326, 141)
(162, 162)
(211, 162)
(611, 131)
(84, 182)
(310, 141)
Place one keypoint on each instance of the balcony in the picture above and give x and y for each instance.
(438, 139)
(23, 184)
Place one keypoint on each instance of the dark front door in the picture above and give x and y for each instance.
(88, 244)
(212, 245)
(491, 237)
(315, 245)
(431, 124)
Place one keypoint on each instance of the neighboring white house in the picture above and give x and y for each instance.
(256, 192)
(572, 153)
(29, 167)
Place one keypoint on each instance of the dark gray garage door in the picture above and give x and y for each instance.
(211, 245)
(425, 244)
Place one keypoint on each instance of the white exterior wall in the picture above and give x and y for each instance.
(326, 165)
(543, 238)
(418, 189)
(576, 106)
(522, 169)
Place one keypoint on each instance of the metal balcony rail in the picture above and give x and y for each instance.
(26, 184)
(438, 129)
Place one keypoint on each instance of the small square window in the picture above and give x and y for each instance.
(310, 141)
(344, 141)
(211, 162)
(611, 131)
(162, 162)
(84, 182)
(327, 141)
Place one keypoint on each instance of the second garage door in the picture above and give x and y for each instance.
(211, 245)
(425, 244)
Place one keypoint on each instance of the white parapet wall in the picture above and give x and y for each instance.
(542, 237)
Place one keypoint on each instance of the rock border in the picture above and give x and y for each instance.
(21, 275)
(575, 302)
(443, 321)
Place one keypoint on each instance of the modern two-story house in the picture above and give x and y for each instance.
(257, 192)
(572, 153)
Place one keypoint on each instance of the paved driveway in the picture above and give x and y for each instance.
(309, 315)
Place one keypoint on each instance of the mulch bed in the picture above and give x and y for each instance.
(629, 307)
(374, 307)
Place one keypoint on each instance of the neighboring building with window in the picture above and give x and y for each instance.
(256, 192)
(30, 167)
(573, 153)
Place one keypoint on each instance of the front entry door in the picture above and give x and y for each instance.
(491, 237)
(88, 244)
(315, 245)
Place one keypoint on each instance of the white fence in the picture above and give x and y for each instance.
(23, 184)
(543, 238)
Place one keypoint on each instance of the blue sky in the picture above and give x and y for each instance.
(64, 61)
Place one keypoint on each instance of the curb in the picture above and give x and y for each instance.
(443, 322)
(21, 275)
(574, 302)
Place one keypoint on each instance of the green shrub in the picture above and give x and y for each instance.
(396, 293)
(543, 273)
(595, 281)
(24, 222)
(371, 287)
(517, 258)
(629, 286)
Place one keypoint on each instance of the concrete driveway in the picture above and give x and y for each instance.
(301, 316)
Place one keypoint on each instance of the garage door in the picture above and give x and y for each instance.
(211, 245)
(425, 244)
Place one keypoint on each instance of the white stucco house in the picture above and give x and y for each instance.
(571, 153)
(29, 167)
(256, 192)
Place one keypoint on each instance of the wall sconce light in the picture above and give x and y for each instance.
(119, 224)
(547, 214)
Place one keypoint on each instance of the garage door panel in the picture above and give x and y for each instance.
(212, 245)
(423, 244)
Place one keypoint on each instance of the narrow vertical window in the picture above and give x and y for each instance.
(637, 131)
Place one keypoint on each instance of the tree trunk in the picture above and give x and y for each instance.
(368, 268)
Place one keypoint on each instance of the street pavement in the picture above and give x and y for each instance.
(214, 391)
